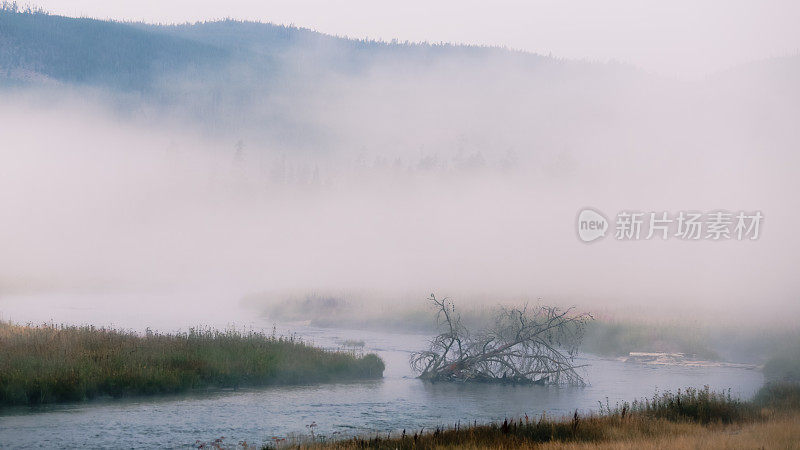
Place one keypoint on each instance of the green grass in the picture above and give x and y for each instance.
(46, 364)
(784, 365)
(690, 405)
(779, 395)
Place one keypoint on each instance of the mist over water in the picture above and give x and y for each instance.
(462, 176)
(261, 217)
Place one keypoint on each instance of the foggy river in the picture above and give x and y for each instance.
(168, 165)
(396, 402)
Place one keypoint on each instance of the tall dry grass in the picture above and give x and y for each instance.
(690, 418)
(49, 363)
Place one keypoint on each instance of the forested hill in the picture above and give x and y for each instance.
(94, 52)
(36, 46)
(246, 78)
(300, 89)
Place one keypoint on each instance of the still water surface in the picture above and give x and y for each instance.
(397, 401)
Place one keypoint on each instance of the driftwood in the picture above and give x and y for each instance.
(524, 345)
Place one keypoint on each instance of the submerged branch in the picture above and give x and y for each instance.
(525, 345)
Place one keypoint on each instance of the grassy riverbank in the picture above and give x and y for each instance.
(47, 364)
(688, 419)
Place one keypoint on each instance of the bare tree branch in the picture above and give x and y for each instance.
(525, 345)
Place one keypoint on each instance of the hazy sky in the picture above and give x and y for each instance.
(685, 38)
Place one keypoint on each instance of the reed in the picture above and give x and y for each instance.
(56, 363)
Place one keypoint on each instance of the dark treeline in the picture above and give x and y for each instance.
(133, 56)
(228, 75)
(93, 52)
(303, 92)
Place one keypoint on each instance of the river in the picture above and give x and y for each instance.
(396, 402)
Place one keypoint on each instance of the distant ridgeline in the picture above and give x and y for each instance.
(226, 73)
(36, 47)
(284, 84)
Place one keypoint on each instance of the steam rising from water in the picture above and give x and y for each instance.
(461, 177)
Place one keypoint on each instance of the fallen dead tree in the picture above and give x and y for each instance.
(524, 345)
